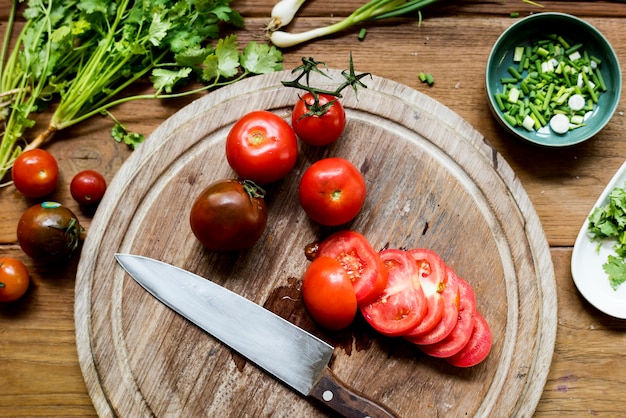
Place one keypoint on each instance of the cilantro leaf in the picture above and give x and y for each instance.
(616, 269)
(163, 79)
(121, 134)
(261, 58)
(224, 61)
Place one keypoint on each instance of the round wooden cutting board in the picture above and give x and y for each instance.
(433, 181)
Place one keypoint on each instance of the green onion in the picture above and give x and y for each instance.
(372, 10)
(362, 34)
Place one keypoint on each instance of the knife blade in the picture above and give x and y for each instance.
(289, 353)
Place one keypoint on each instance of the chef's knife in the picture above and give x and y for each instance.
(291, 354)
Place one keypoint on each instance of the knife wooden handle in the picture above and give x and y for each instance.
(349, 403)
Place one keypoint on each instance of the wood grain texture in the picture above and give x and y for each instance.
(433, 181)
(39, 370)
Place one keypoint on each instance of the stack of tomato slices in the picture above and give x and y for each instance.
(411, 294)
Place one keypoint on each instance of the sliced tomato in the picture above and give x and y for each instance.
(462, 331)
(477, 348)
(451, 301)
(402, 304)
(433, 277)
(362, 262)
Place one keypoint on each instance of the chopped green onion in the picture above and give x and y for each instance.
(551, 76)
(362, 34)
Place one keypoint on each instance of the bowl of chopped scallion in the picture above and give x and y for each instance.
(553, 79)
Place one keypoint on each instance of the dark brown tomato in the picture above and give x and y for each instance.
(49, 231)
(229, 215)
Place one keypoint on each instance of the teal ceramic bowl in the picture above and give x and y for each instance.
(528, 31)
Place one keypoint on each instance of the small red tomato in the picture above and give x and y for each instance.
(49, 232)
(332, 191)
(320, 123)
(229, 215)
(88, 187)
(35, 173)
(14, 279)
(328, 294)
(261, 147)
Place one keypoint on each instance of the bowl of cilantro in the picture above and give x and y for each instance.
(552, 79)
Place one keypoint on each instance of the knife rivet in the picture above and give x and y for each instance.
(328, 395)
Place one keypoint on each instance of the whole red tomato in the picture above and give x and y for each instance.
(261, 147)
(35, 173)
(229, 215)
(14, 279)
(88, 187)
(328, 294)
(320, 123)
(332, 191)
(49, 231)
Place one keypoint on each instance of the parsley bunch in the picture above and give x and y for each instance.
(609, 222)
(91, 51)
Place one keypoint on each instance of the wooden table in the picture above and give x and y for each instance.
(39, 369)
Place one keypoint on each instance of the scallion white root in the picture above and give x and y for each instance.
(283, 13)
(372, 10)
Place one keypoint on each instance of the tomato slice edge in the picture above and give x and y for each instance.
(478, 347)
(402, 305)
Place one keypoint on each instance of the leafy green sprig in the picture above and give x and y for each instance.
(86, 54)
(609, 222)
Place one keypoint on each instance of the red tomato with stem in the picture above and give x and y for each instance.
(328, 294)
(332, 191)
(229, 215)
(14, 279)
(364, 266)
(402, 304)
(88, 187)
(450, 317)
(35, 173)
(320, 123)
(477, 348)
(261, 147)
(462, 332)
(432, 275)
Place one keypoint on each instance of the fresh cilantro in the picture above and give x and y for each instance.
(84, 54)
(121, 134)
(609, 222)
(615, 267)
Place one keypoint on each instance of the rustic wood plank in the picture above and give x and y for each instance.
(584, 378)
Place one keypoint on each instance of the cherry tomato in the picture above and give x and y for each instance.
(365, 268)
(14, 279)
(229, 215)
(462, 332)
(328, 294)
(88, 187)
(332, 191)
(478, 347)
(402, 304)
(262, 147)
(318, 124)
(35, 173)
(49, 231)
